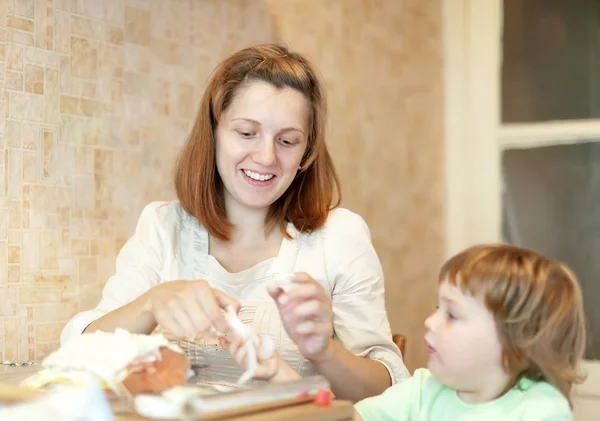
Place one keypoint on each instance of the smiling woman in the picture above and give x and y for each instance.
(257, 229)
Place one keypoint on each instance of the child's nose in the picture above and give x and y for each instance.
(430, 322)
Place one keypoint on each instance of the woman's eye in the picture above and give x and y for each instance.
(245, 134)
(286, 142)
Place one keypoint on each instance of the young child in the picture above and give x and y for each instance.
(504, 344)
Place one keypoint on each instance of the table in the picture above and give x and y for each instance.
(338, 411)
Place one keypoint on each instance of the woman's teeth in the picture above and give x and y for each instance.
(256, 176)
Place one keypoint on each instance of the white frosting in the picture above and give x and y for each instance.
(102, 354)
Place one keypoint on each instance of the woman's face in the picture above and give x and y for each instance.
(260, 141)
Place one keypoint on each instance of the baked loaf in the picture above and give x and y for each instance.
(123, 363)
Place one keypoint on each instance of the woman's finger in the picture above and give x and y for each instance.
(196, 314)
(313, 327)
(312, 308)
(175, 321)
(302, 292)
(206, 298)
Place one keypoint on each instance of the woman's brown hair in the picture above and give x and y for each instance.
(538, 309)
(316, 188)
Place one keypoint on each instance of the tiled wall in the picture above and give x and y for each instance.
(96, 97)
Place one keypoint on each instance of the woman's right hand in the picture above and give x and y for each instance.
(186, 308)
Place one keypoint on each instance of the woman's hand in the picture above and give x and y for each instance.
(306, 313)
(273, 368)
(265, 369)
(188, 307)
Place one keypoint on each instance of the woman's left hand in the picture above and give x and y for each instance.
(306, 313)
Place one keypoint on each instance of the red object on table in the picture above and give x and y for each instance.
(323, 397)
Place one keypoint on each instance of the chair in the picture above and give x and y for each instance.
(400, 341)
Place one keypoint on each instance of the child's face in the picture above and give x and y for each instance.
(463, 345)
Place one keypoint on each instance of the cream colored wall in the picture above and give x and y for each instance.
(96, 98)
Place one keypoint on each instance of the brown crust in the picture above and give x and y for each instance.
(170, 370)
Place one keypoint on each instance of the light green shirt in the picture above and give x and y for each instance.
(423, 398)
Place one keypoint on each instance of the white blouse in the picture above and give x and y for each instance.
(169, 244)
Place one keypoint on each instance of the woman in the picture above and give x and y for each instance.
(256, 193)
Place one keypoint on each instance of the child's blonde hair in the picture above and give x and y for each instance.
(537, 305)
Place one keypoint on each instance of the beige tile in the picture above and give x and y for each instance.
(30, 135)
(110, 11)
(14, 80)
(19, 37)
(84, 192)
(167, 52)
(10, 337)
(79, 106)
(8, 307)
(30, 250)
(51, 96)
(13, 134)
(58, 198)
(20, 23)
(80, 247)
(110, 60)
(2, 52)
(14, 236)
(26, 106)
(48, 281)
(88, 271)
(116, 90)
(103, 247)
(3, 224)
(137, 26)
(49, 245)
(30, 167)
(44, 25)
(62, 34)
(14, 254)
(14, 214)
(14, 57)
(34, 295)
(84, 160)
(90, 297)
(84, 58)
(34, 79)
(48, 139)
(14, 178)
(94, 29)
(41, 57)
(4, 274)
(186, 101)
(43, 349)
(48, 331)
(24, 8)
(14, 274)
(67, 5)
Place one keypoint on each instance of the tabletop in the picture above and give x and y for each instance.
(337, 411)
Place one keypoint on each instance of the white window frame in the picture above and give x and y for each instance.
(475, 137)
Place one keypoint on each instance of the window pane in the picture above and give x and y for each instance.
(551, 203)
(550, 66)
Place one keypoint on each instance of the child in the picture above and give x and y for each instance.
(504, 344)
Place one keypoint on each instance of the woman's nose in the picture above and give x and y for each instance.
(265, 154)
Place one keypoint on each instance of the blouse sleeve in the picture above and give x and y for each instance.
(138, 266)
(361, 324)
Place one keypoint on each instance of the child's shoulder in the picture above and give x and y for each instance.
(540, 398)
